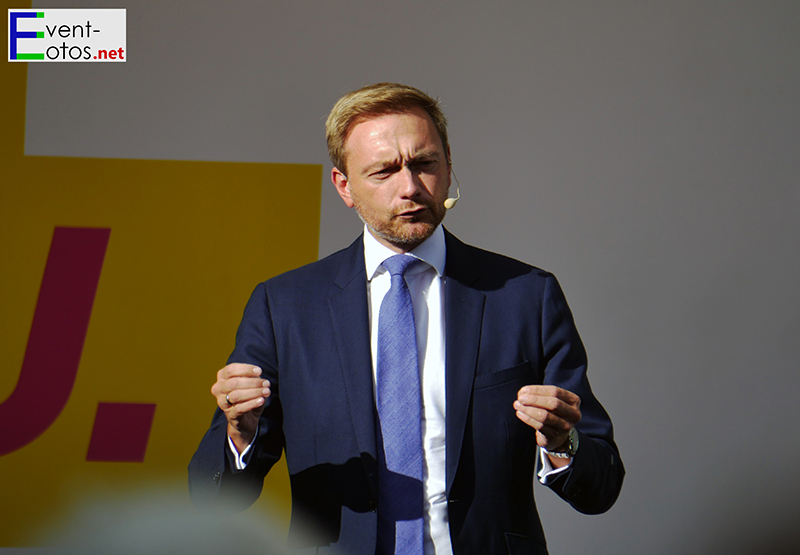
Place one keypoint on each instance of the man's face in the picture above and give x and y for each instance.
(398, 177)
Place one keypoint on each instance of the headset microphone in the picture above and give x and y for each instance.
(451, 202)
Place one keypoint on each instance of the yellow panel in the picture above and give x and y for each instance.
(189, 241)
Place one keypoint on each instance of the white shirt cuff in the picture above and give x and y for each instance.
(546, 472)
(238, 458)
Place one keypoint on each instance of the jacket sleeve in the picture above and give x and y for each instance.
(213, 481)
(594, 481)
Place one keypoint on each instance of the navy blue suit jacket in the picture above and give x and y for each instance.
(507, 325)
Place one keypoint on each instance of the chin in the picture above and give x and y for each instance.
(409, 235)
(404, 234)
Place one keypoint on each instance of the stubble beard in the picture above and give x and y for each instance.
(401, 233)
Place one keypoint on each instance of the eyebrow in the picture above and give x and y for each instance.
(380, 164)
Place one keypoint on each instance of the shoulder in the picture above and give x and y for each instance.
(338, 267)
(489, 270)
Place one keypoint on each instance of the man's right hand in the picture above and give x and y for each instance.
(240, 392)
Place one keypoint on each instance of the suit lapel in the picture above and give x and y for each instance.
(463, 319)
(350, 317)
(463, 316)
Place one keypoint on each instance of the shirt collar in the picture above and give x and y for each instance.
(432, 250)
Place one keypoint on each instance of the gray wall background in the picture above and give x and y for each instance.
(646, 152)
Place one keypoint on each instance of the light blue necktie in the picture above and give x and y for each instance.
(400, 496)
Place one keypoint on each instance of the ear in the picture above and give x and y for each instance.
(342, 186)
(449, 169)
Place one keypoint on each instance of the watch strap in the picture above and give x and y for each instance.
(571, 446)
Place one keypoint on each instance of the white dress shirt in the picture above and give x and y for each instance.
(427, 295)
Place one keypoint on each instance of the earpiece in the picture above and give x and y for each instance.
(451, 202)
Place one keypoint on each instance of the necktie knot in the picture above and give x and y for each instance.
(398, 264)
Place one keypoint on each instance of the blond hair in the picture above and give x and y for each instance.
(375, 100)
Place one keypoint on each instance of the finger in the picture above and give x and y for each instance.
(237, 369)
(246, 376)
(225, 387)
(238, 396)
(529, 416)
(236, 410)
(233, 384)
(542, 420)
(550, 442)
(552, 405)
(554, 399)
(551, 391)
(546, 436)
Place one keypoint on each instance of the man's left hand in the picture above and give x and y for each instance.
(551, 411)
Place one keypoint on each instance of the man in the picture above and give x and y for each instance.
(413, 395)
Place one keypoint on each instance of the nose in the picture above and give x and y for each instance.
(411, 184)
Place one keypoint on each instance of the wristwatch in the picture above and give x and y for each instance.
(571, 445)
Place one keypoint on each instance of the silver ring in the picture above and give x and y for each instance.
(227, 400)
